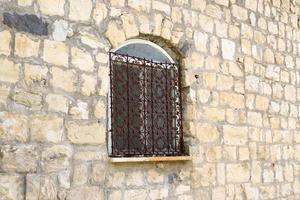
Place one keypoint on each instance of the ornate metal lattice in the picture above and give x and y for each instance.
(146, 117)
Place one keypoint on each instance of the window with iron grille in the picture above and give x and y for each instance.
(145, 102)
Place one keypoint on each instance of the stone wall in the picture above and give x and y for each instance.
(241, 75)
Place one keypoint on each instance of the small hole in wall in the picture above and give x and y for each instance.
(196, 76)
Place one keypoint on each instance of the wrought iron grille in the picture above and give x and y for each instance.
(146, 110)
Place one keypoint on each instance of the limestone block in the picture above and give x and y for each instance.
(290, 93)
(56, 53)
(116, 179)
(268, 56)
(154, 176)
(4, 92)
(238, 173)
(207, 133)
(64, 79)
(13, 127)
(206, 23)
(251, 4)
(115, 194)
(82, 59)
(56, 158)
(100, 110)
(80, 174)
(53, 7)
(57, 103)
(46, 128)
(117, 3)
(25, 2)
(141, 6)
(35, 74)
(85, 192)
(5, 38)
(221, 29)
(204, 176)
(161, 193)
(40, 187)
(80, 111)
(224, 82)
(135, 178)
(233, 100)
(214, 114)
(129, 26)
(19, 158)
(26, 47)
(254, 118)
(160, 6)
(102, 58)
(64, 179)
(201, 40)
(252, 83)
(28, 99)
(100, 12)
(80, 10)
(88, 86)
(11, 187)
(103, 75)
(60, 30)
(135, 194)
(98, 172)
(214, 11)
(239, 12)
(235, 135)
(182, 189)
(198, 4)
(79, 133)
(228, 49)
(261, 103)
(222, 2)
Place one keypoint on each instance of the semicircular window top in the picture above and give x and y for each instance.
(145, 102)
(144, 49)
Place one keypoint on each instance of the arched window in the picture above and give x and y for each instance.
(146, 117)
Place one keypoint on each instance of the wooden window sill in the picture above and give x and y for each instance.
(150, 159)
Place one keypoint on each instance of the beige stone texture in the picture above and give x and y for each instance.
(234, 135)
(52, 8)
(46, 128)
(40, 187)
(80, 10)
(238, 173)
(25, 46)
(56, 53)
(5, 38)
(63, 79)
(207, 133)
(86, 133)
(82, 59)
(35, 74)
(25, 2)
(9, 71)
(57, 103)
(13, 127)
(11, 186)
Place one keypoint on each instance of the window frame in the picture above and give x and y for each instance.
(171, 61)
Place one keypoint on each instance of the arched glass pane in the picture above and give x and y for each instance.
(143, 50)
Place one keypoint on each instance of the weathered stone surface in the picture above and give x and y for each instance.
(86, 192)
(57, 103)
(80, 111)
(13, 127)
(9, 71)
(100, 110)
(19, 158)
(88, 87)
(129, 25)
(238, 173)
(56, 53)
(82, 59)
(35, 74)
(207, 133)
(63, 79)
(135, 194)
(40, 187)
(228, 49)
(80, 10)
(5, 38)
(46, 128)
(114, 34)
(86, 133)
(100, 12)
(234, 135)
(60, 30)
(56, 158)
(25, 2)
(54, 7)
(11, 187)
(27, 23)
(4, 92)
(28, 99)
